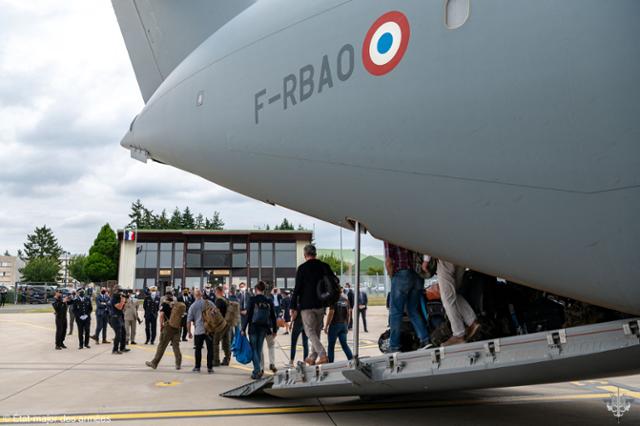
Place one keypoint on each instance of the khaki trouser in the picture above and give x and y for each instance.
(223, 337)
(312, 320)
(130, 327)
(457, 308)
(168, 335)
(271, 348)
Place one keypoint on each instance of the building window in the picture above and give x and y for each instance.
(217, 246)
(216, 260)
(281, 282)
(254, 255)
(178, 256)
(239, 260)
(266, 255)
(240, 246)
(165, 255)
(192, 282)
(194, 246)
(139, 283)
(194, 260)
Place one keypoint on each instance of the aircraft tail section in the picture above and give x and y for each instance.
(159, 34)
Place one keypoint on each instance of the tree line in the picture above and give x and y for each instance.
(144, 218)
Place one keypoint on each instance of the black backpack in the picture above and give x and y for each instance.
(328, 288)
(341, 311)
(261, 314)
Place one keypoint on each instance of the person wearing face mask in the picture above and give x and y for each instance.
(82, 309)
(187, 299)
(102, 316)
(151, 306)
(60, 306)
(243, 300)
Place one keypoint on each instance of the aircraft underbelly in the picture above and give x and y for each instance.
(506, 145)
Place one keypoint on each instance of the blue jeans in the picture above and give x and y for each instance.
(338, 331)
(256, 338)
(101, 325)
(406, 290)
(295, 333)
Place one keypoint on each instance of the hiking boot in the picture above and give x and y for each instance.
(454, 340)
(150, 364)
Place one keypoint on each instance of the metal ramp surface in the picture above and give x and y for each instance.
(250, 389)
(585, 352)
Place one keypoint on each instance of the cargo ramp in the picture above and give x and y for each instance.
(578, 353)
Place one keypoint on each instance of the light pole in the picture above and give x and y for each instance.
(66, 255)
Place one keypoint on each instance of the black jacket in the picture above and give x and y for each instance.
(151, 306)
(305, 294)
(82, 307)
(272, 314)
(60, 309)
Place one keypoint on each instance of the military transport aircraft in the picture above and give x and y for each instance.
(503, 135)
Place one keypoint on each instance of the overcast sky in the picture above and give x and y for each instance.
(67, 96)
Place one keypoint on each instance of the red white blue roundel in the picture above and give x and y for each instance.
(385, 43)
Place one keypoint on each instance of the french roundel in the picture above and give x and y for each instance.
(386, 42)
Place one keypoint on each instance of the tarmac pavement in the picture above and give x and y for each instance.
(92, 385)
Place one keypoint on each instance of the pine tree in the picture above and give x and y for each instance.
(200, 223)
(176, 219)
(216, 222)
(149, 220)
(42, 243)
(162, 221)
(188, 222)
(6, 253)
(137, 212)
(102, 263)
(284, 226)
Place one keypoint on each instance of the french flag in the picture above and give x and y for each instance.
(129, 235)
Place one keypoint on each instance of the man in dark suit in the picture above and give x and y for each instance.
(151, 306)
(82, 309)
(188, 300)
(102, 316)
(243, 299)
(363, 302)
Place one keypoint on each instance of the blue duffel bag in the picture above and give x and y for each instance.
(241, 348)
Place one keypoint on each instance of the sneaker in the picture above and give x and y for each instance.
(196, 369)
(116, 353)
(454, 340)
(273, 368)
(210, 370)
(425, 346)
(150, 364)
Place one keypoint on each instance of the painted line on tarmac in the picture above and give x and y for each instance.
(302, 409)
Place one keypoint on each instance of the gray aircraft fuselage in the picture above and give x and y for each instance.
(510, 145)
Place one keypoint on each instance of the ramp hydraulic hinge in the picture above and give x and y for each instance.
(394, 364)
(556, 339)
(632, 329)
(437, 355)
(492, 348)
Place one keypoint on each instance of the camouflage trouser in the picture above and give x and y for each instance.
(223, 337)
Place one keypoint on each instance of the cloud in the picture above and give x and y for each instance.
(67, 96)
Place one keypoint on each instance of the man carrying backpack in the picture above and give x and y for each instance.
(261, 320)
(170, 323)
(221, 336)
(307, 296)
(195, 316)
(337, 326)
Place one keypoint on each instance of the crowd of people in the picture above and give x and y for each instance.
(212, 316)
